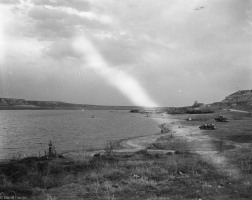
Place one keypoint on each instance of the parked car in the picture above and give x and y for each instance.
(221, 118)
(207, 127)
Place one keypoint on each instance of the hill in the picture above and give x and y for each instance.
(241, 97)
(239, 100)
(22, 104)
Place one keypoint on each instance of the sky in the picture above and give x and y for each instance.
(125, 52)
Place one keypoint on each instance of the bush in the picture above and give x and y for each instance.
(199, 111)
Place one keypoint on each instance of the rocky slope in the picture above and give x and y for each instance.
(241, 100)
(241, 97)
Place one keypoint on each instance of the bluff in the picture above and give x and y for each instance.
(241, 100)
(241, 97)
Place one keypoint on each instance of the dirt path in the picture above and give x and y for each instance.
(234, 110)
(189, 134)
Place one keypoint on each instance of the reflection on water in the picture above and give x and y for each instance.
(29, 131)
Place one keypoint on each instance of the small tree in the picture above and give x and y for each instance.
(195, 104)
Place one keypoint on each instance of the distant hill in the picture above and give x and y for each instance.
(242, 97)
(22, 104)
(239, 100)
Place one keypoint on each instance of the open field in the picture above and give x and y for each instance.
(204, 165)
(238, 129)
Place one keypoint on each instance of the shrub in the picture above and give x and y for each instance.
(199, 111)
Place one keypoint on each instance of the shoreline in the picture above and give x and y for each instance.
(139, 143)
(132, 144)
(127, 145)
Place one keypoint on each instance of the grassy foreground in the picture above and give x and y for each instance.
(139, 175)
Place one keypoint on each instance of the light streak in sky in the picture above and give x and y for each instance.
(121, 80)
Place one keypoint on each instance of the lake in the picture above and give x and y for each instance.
(28, 132)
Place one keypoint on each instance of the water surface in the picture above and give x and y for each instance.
(28, 132)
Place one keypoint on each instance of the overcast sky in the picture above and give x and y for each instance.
(125, 52)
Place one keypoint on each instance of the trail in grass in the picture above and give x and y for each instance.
(212, 154)
(191, 134)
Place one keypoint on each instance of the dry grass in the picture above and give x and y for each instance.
(184, 176)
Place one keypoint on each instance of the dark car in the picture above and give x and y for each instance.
(207, 127)
(221, 118)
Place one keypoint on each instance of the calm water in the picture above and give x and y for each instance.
(28, 132)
